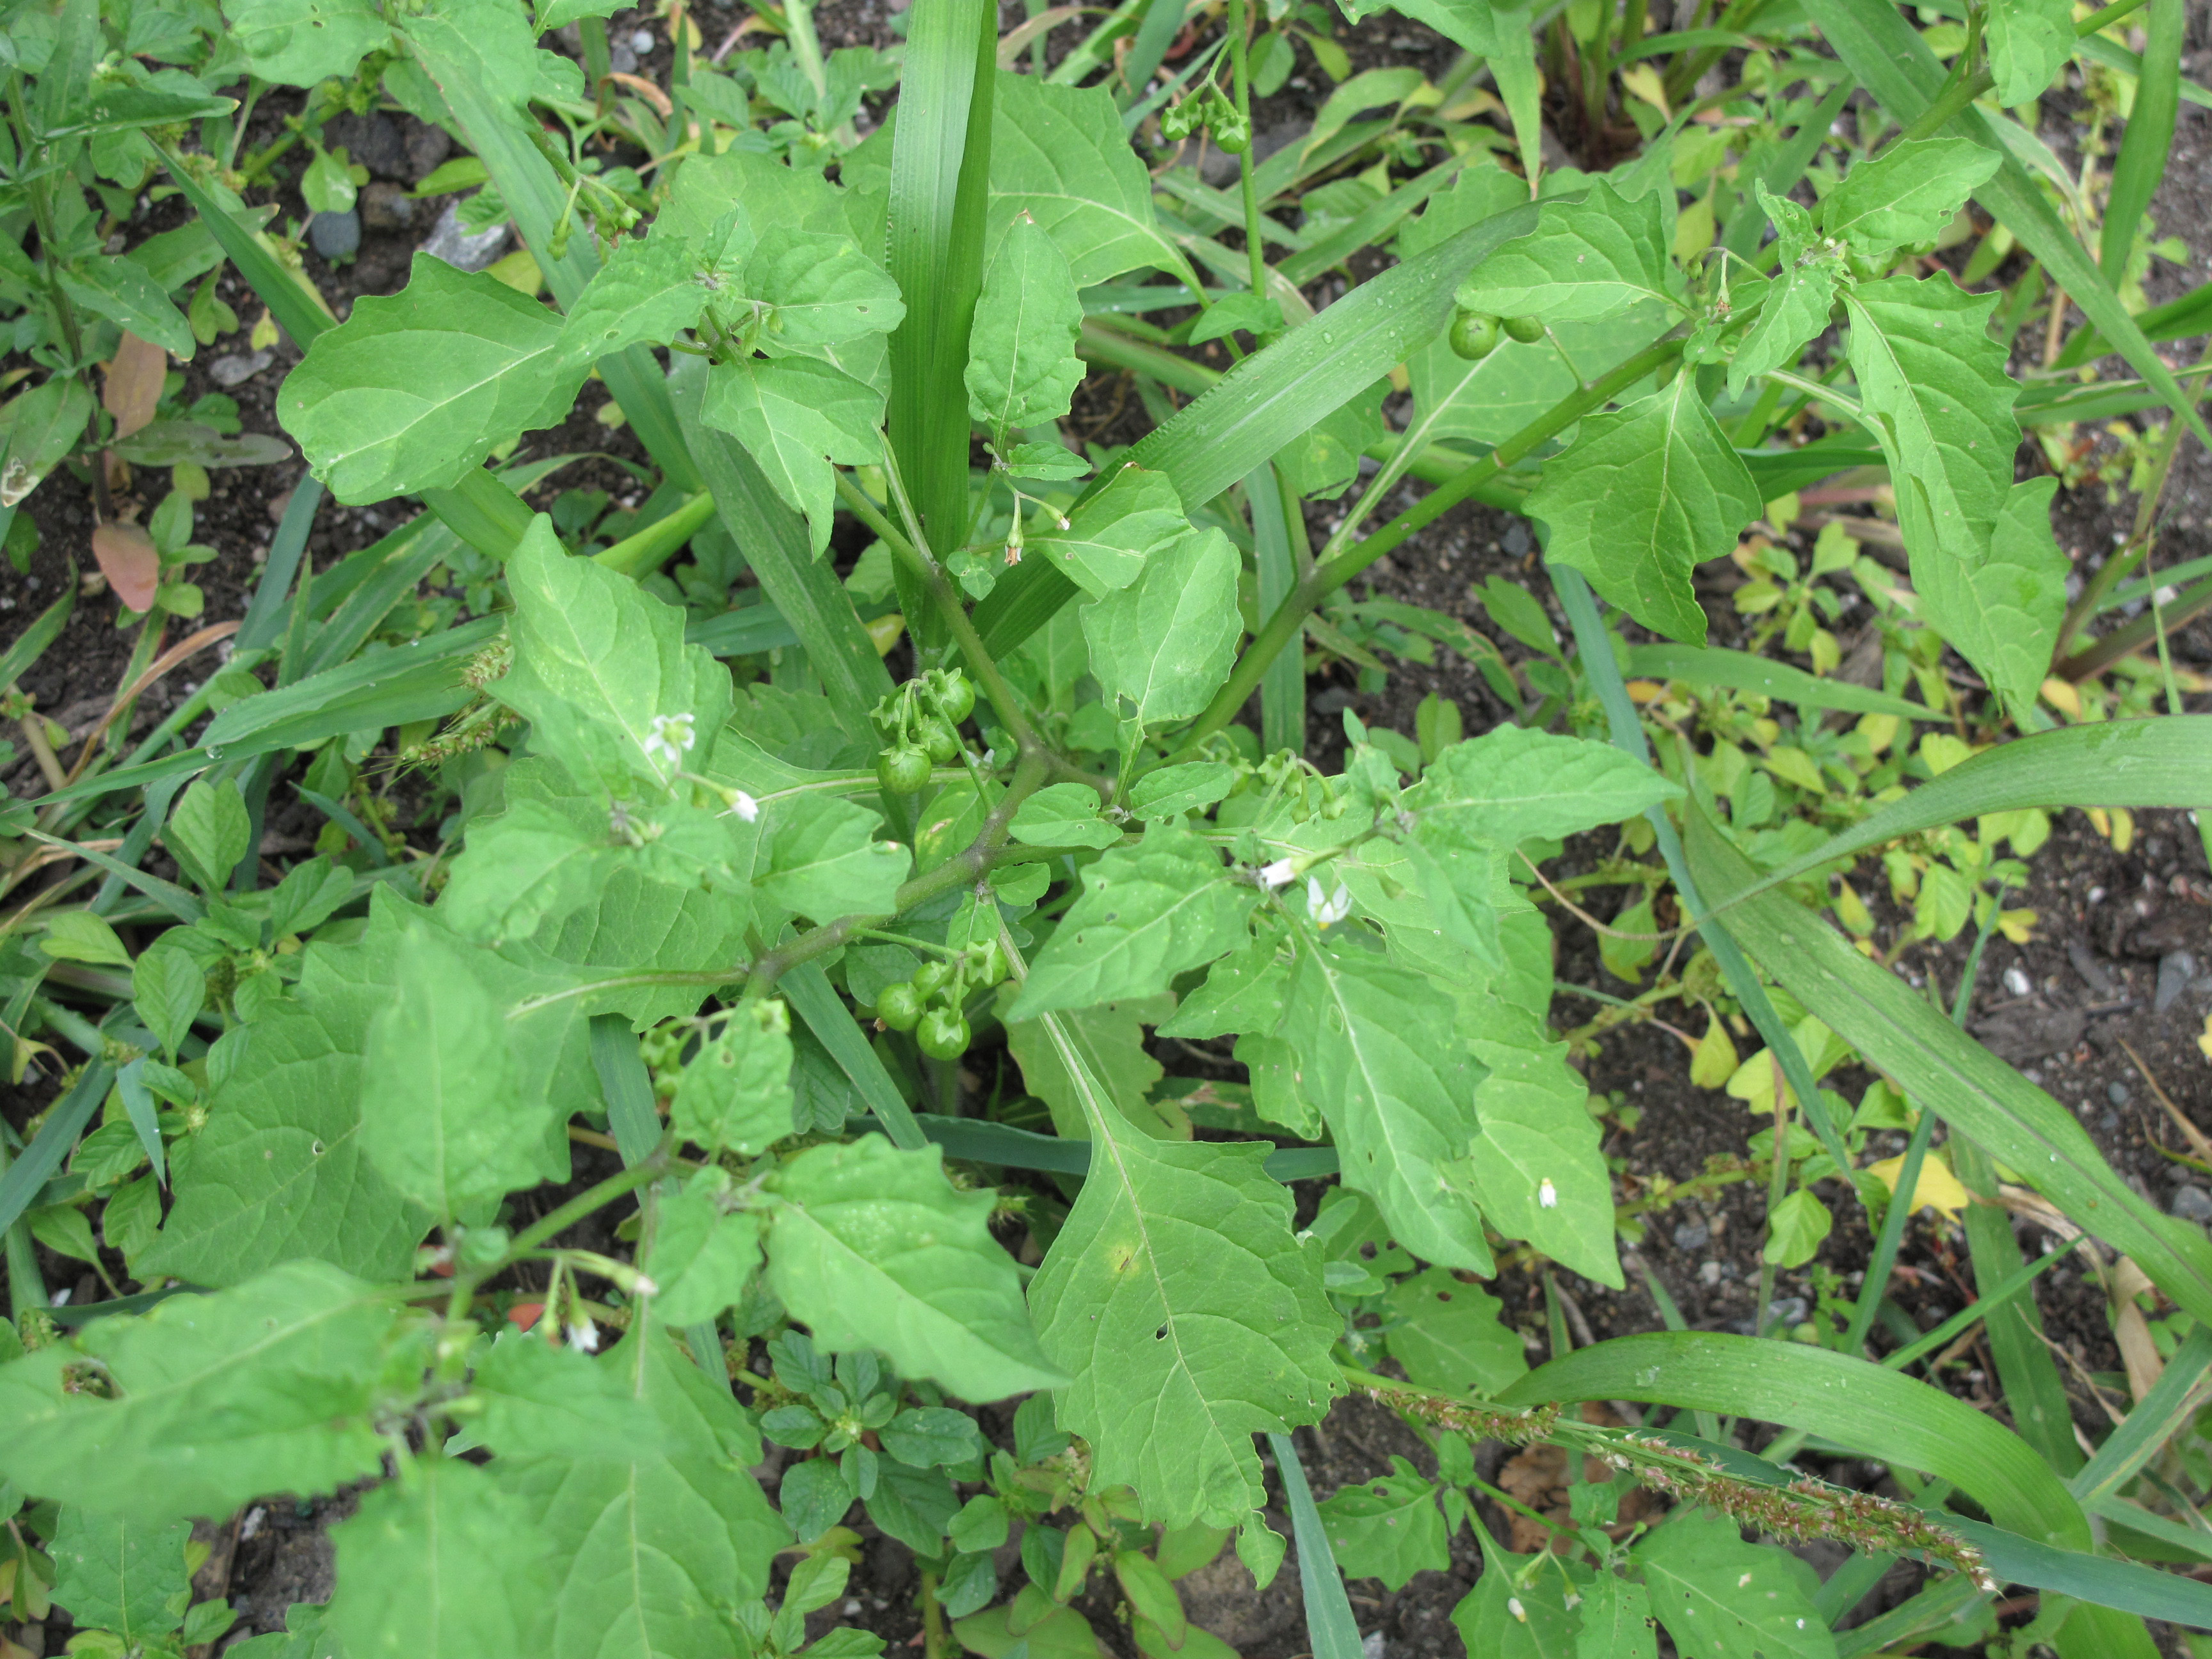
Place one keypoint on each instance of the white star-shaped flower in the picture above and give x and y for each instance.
(1328, 908)
(1280, 873)
(669, 739)
(743, 806)
(583, 1336)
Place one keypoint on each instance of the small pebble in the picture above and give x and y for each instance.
(1709, 1272)
(464, 252)
(1370, 1645)
(1692, 1235)
(621, 59)
(2017, 982)
(641, 41)
(2117, 1093)
(1786, 1311)
(2193, 1204)
(238, 368)
(2110, 1122)
(2175, 970)
(1517, 539)
(335, 235)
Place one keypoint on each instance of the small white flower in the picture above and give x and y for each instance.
(1280, 873)
(583, 1336)
(1548, 1195)
(1328, 908)
(743, 806)
(669, 739)
(1744, 1583)
(1513, 1606)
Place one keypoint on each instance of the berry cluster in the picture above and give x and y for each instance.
(929, 1003)
(1476, 334)
(918, 725)
(1213, 109)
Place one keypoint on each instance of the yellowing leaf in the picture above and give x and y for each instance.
(2064, 695)
(1852, 911)
(1642, 81)
(2018, 925)
(1794, 765)
(1755, 1081)
(1937, 1189)
(1941, 751)
(1714, 1063)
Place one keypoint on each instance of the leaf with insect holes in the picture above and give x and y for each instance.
(1060, 155)
(1721, 1598)
(1110, 536)
(2002, 615)
(412, 392)
(1589, 258)
(1451, 1338)
(1505, 1618)
(1146, 914)
(209, 1400)
(819, 288)
(1616, 1620)
(1388, 1528)
(1908, 193)
(1189, 1314)
(794, 417)
(650, 289)
(1641, 497)
(1162, 646)
(650, 1549)
(443, 1563)
(1022, 366)
(2030, 41)
(303, 43)
(1110, 1041)
(1063, 815)
(1380, 1057)
(871, 1247)
(735, 1091)
(1797, 302)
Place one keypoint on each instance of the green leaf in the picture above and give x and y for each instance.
(1741, 671)
(205, 1401)
(1536, 1167)
(1388, 1528)
(1378, 1054)
(300, 43)
(1642, 495)
(1022, 366)
(824, 861)
(1060, 156)
(1162, 646)
(872, 1247)
(735, 1091)
(790, 415)
(651, 1551)
(1721, 1598)
(1616, 1620)
(1171, 790)
(1795, 1230)
(820, 288)
(120, 1574)
(1797, 302)
(81, 936)
(1512, 784)
(1147, 913)
(651, 288)
(1452, 1339)
(2002, 615)
(443, 1563)
(597, 658)
(413, 391)
(1907, 194)
(1588, 257)
(535, 1399)
(1110, 1039)
(2030, 41)
(1110, 535)
(1188, 1313)
(631, 924)
(443, 1115)
(123, 293)
(1503, 1619)
(1063, 815)
(701, 1258)
(209, 827)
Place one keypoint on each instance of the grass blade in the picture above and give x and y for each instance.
(55, 1136)
(2172, 1401)
(1283, 688)
(1739, 671)
(1331, 1630)
(815, 1000)
(265, 615)
(26, 651)
(2149, 137)
(631, 1114)
(1972, 1089)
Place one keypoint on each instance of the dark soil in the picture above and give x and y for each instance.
(2088, 1026)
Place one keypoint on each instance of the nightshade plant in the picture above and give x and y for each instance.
(688, 916)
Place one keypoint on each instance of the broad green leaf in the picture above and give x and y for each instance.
(790, 415)
(1512, 784)
(443, 1115)
(1060, 155)
(1452, 1339)
(209, 830)
(735, 1091)
(1022, 366)
(1146, 914)
(81, 936)
(1796, 1229)
(1721, 1598)
(1188, 1315)
(1642, 495)
(1162, 646)
(2030, 41)
(1616, 1620)
(443, 1563)
(1379, 1056)
(1503, 1619)
(631, 924)
(1933, 381)
(527, 869)
(1172, 791)
(1388, 1528)
(701, 1258)
(122, 292)
(1536, 1167)
(279, 1173)
(413, 391)
(1796, 303)
(651, 1552)
(301, 43)
(1907, 194)
(1063, 815)
(1110, 535)
(651, 288)
(209, 1400)
(819, 288)
(533, 1398)
(2002, 615)
(601, 671)
(872, 1247)
(1111, 1040)
(1588, 257)
(1243, 992)
(824, 861)
(494, 44)
(118, 1575)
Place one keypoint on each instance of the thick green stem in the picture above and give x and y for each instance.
(1242, 81)
(1332, 573)
(640, 1174)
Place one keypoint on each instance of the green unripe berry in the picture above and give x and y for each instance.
(1233, 139)
(1475, 335)
(955, 697)
(940, 740)
(904, 770)
(944, 1034)
(1527, 330)
(899, 1006)
(930, 977)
